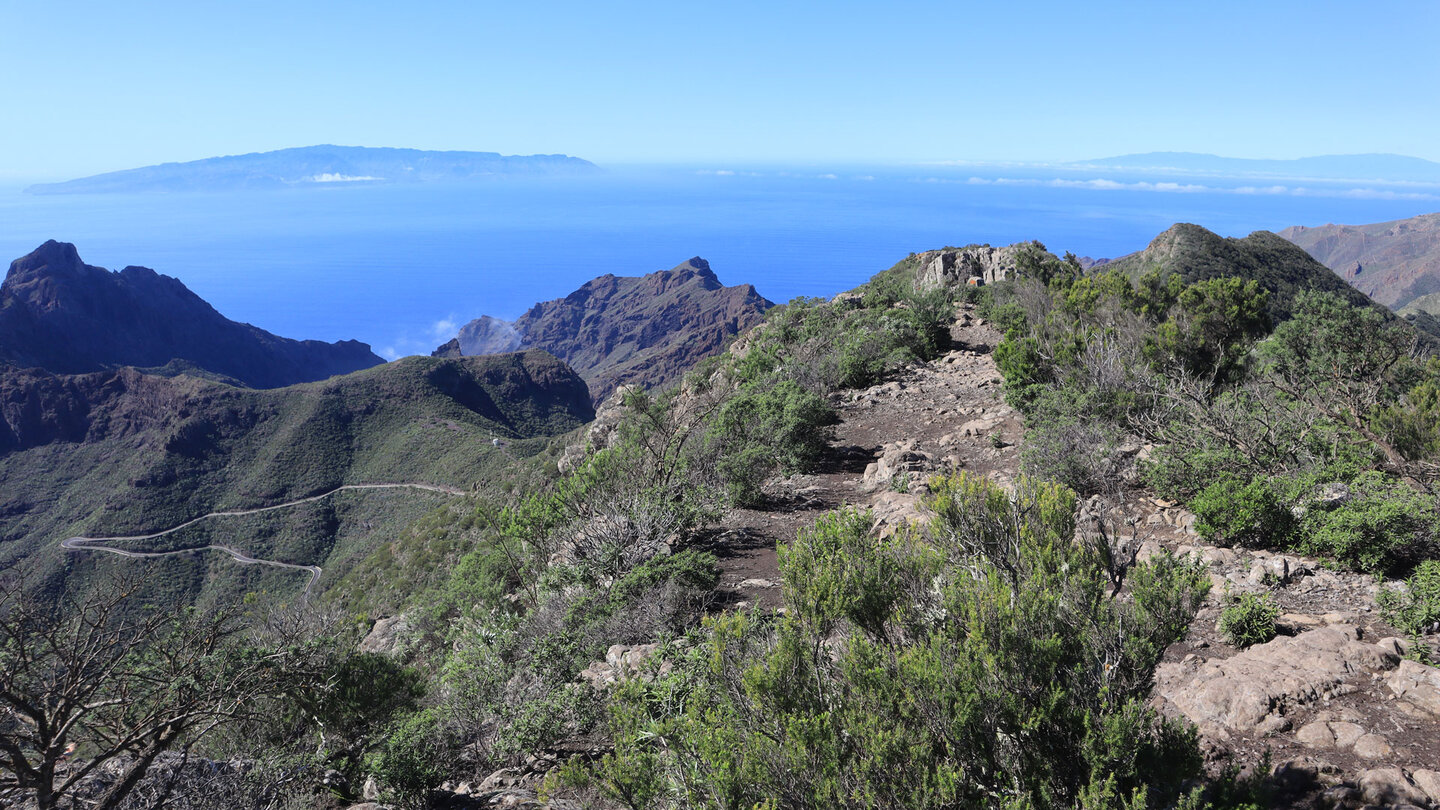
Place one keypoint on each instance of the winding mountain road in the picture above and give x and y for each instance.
(88, 543)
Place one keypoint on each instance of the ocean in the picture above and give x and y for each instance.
(402, 267)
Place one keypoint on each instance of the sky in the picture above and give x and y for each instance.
(87, 87)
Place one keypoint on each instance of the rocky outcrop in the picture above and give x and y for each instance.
(487, 335)
(622, 662)
(955, 267)
(1257, 689)
(614, 330)
(67, 317)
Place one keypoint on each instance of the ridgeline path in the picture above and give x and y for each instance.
(88, 543)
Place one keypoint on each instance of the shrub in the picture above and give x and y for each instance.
(1248, 620)
(1385, 526)
(1416, 609)
(989, 668)
(411, 763)
(1180, 474)
(1078, 453)
(1228, 512)
(781, 427)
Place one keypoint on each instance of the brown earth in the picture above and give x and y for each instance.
(1322, 699)
(943, 415)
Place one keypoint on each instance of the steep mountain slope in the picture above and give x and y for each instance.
(1198, 254)
(317, 165)
(120, 452)
(619, 330)
(68, 317)
(1392, 262)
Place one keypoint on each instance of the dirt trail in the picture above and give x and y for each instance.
(1338, 711)
(90, 543)
(946, 414)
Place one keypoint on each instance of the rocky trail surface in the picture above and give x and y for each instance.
(92, 543)
(1344, 718)
(940, 416)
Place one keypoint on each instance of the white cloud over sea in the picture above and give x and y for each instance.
(1102, 184)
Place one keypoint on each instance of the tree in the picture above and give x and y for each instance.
(99, 681)
(1340, 359)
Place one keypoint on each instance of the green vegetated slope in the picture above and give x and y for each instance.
(988, 656)
(121, 453)
(1278, 266)
(1258, 385)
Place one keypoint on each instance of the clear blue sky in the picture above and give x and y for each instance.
(88, 86)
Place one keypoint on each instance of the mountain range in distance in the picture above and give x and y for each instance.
(323, 165)
(1392, 168)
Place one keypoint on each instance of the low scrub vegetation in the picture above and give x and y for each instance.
(979, 662)
(1248, 619)
(1309, 435)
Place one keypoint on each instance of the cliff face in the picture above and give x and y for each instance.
(616, 330)
(65, 316)
(1392, 262)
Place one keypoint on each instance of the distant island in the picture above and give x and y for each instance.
(1324, 167)
(320, 165)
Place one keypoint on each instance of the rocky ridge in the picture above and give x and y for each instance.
(1392, 262)
(955, 267)
(68, 317)
(614, 330)
(1347, 721)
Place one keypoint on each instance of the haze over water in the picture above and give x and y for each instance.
(401, 267)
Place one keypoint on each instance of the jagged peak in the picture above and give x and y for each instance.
(52, 256)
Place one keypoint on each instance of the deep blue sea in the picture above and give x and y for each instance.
(400, 267)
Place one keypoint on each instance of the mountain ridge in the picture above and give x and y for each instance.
(1198, 254)
(620, 330)
(68, 317)
(122, 452)
(1394, 262)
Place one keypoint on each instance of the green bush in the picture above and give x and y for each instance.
(412, 762)
(1180, 474)
(1384, 527)
(1416, 609)
(777, 428)
(1229, 512)
(985, 667)
(1248, 620)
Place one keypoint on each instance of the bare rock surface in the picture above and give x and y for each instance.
(954, 267)
(1271, 680)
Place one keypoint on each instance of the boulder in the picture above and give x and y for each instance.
(385, 636)
(1428, 781)
(1241, 692)
(1418, 684)
(1390, 786)
(621, 662)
